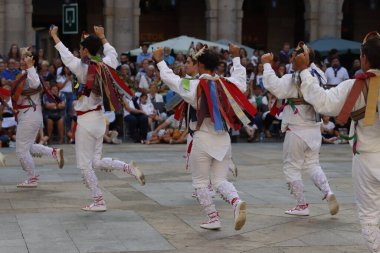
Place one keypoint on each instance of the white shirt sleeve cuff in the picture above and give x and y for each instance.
(161, 65)
(267, 66)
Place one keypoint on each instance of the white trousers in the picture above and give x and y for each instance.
(88, 148)
(366, 177)
(205, 168)
(298, 157)
(29, 123)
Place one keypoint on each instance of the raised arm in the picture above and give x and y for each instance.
(73, 63)
(32, 76)
(238, 72)
(173, 81)
(109, 51)
(328, 102)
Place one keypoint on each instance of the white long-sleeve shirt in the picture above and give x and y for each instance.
(32, 82)
(214, 143)
(303, 123)
(330, 102)
(80, 69)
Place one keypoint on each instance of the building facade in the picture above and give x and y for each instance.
(257, 23)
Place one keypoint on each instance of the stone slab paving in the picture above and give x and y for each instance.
(163, 217)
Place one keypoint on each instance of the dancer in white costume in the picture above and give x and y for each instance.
(91, 122)
(27, 103)
(360, 99)
(211, 149)
(303, 136)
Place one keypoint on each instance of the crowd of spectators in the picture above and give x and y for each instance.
(144, 118)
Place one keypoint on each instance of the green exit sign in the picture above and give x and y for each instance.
(70, 18)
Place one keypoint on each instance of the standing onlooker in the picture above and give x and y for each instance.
(336, 73)
(259, 76)
(14, 53)
(222, 68)
(58, 66)
(45, 73)
(55, 113)
(285, 53)
(355, 67)
(144, 55)
(64, 83)
(41, 56)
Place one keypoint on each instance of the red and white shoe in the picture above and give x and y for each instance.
(240, 214)
(29, 183)
(333, 203)
(58, 156)
(213, 222)
(97, 206)
(299, 210)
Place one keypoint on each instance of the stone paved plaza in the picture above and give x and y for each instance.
(163, 217)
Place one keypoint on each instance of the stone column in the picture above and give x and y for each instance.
(30, 34)
(330, 18)
(227, 20)
(125, 23)
(136, 24)
(108, 19)
(311, 19)
(212, 19)
(2, 28)
(239, 20)
(14, 22)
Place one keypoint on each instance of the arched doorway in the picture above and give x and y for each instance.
(165, 19)
(268, 24)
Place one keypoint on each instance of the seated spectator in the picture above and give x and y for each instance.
(328, 130)
(149, 111)
(255, 58)
(64, 83)
(2, 67)
(58, 66)
(41, 56)
(144, 55)
(124, 60)
(8, 124)
(126, 76)
(271, 115)
(153, 96)
(136, 119)
(180, 57)
(10, 73)
(142, 71)
(55, 113)
(167, 57)
(170, 131)
(110, 136)
(147, 79)
(259, 76)
(285, 53)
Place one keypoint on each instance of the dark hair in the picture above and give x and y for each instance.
(92, 43)
(17, 56)
(371, 49)
(192, 60)
(209, 59)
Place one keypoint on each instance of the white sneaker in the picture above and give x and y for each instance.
(96, 207)
(138, 173)
(213, 222)
(240, 214)
(29, 183)
(299, 210)
(333, 203)
(58, 155)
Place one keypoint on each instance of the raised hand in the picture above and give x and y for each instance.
(301, 61)
(234, 50)
(29, 61)
(267, 58)
(158, 54)
(53, 31)
(99, 31)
